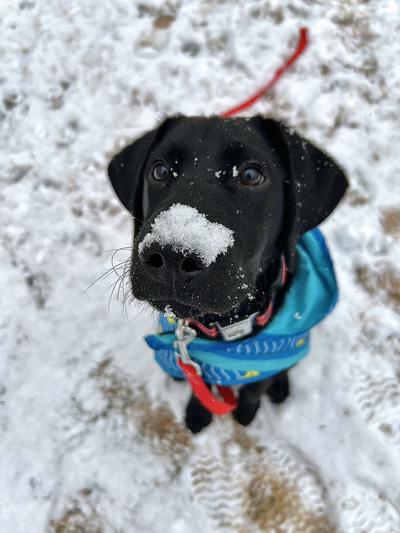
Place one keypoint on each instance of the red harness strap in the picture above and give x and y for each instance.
(262, 320)
(210, 332)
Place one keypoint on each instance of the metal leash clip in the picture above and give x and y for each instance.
(185, 334)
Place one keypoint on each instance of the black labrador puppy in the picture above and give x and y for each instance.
(254, 176)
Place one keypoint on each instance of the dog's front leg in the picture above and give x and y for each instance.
(278, 389)
(249, 401)
(197, 417)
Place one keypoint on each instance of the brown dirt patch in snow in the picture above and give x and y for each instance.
(383, 280)
(357, 24)
(158, 424)
(274, 505)
(79, 517)
(357, 198)
(241, 437)
(163, 21)
(390, 220)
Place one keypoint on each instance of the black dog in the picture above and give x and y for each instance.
(254, 176)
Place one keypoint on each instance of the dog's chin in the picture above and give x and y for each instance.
(186, 305)
(184, 310)
(179, 309)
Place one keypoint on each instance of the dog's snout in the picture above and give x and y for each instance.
(164, 263)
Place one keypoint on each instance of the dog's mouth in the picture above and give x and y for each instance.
(177, 308)
(192, 306)
(184, 309)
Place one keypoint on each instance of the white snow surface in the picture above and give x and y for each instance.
(91, 430)
(186, 230)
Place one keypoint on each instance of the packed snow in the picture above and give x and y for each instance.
(92, 438)
(186, 230)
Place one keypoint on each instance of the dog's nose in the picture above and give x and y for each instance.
(164, 262)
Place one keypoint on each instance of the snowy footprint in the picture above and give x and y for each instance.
(365, 508)
(378, 398)
(241, 486)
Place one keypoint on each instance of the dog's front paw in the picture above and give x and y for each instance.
(279, 390)
(245, 413)
(197, 417)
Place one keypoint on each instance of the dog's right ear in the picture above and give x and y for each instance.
(314, 183)
(125, 172)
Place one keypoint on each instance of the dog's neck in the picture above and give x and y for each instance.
(258, 301)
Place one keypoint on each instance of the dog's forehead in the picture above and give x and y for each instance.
(210, 135)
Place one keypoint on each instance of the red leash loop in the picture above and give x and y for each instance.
(301, 46)
(204, 394)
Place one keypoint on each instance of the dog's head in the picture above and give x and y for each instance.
(214, 201)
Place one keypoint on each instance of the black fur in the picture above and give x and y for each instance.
(302, 187)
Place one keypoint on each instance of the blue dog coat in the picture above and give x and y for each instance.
(282, 343)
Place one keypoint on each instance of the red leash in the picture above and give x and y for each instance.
(301, 46)
(204, 394)
(229, 403)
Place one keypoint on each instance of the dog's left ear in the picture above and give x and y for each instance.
(314, 182)
(125, 172)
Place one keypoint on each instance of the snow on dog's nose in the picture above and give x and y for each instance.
(187, 232)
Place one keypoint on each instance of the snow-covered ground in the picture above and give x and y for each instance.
(91, 431)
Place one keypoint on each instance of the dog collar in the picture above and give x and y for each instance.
(245, 327)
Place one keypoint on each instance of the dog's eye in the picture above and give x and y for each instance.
(251, 175)
(160, 172)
